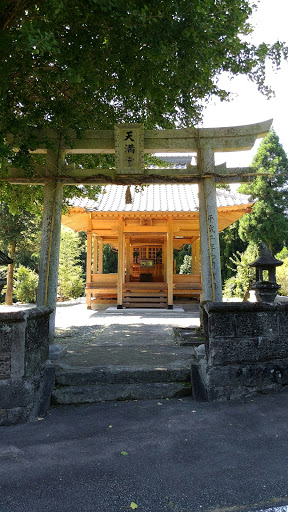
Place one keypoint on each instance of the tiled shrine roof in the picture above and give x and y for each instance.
(155, 198)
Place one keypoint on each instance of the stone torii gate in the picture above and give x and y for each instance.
(129, 142)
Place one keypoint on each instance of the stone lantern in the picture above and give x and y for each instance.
(265, 290)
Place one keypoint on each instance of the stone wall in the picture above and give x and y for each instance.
(246, 350)
(26, 377)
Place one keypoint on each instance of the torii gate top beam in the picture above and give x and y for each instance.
(184, 140)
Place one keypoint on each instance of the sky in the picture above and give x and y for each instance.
(248, 104)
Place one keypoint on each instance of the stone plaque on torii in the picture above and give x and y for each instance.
(129, 142)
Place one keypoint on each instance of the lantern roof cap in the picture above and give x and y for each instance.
(266, 259)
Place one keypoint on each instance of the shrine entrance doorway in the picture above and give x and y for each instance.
(147, 261)
(145, 282)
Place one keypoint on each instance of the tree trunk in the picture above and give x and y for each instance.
(9, 291)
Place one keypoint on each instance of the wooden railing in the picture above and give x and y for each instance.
(187, 284)
(102, 286)
(150, 294)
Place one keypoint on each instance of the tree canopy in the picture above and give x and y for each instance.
(268, 221)
(90, 64)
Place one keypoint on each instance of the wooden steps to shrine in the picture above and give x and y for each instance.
(145, 295)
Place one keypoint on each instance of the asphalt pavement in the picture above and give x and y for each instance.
(167, 455)
(172, 455)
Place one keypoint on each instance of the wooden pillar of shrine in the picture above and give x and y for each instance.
(195, 253)
(100, 261)
(89, 257)
(120, 278)
(89, 262)
(128, 259)
(169, 262)
(95, 255)
(209, 236)
(164, 261)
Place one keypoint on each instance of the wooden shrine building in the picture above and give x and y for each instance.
(145, 233)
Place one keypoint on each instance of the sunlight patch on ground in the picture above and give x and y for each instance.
(78, 315)
(275, 509)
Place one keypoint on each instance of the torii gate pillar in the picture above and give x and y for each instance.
(50, 242)
(209, 237)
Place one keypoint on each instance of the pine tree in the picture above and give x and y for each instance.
(268, 221)
(110, 259)
(179, 255)
(230, 244)
(186, 267)
(239, 284)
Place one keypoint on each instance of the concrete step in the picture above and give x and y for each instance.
(144, 304)
(88, 385)
(119, 375)
(102, 392)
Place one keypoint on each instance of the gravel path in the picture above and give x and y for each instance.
(109, 336)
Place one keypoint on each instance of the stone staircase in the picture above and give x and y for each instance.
(88, 385)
